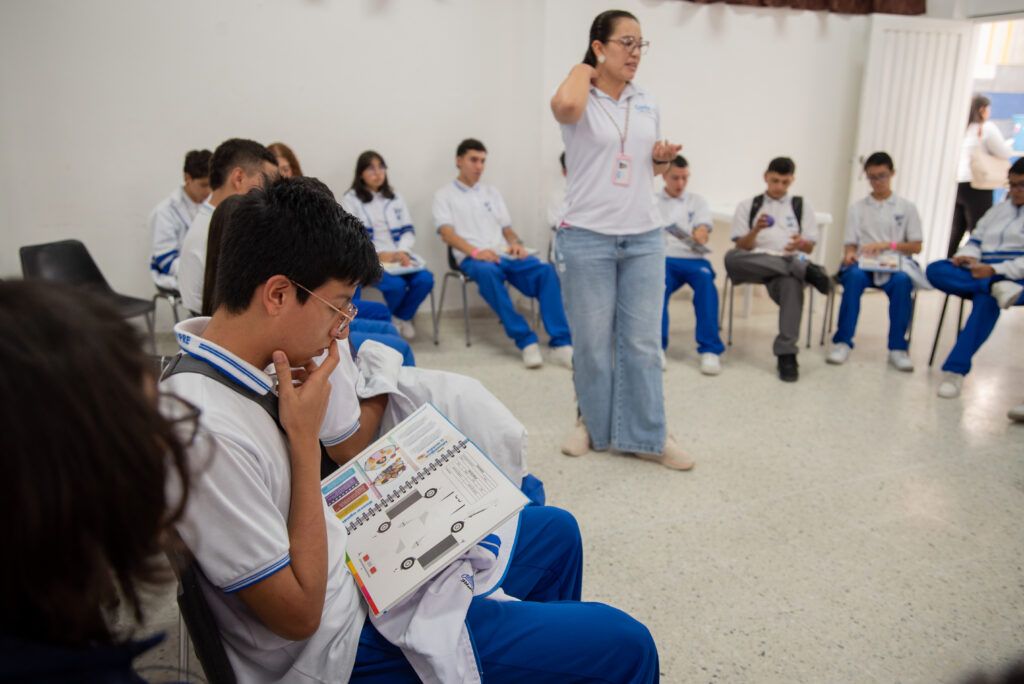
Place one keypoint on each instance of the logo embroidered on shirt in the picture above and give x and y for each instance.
(644, 108)
(468, 580)
(184, 339)
(398, 214)
(691, 215)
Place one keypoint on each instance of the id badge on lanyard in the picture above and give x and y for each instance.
(623, 173)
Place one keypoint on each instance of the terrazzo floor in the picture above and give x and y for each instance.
(851, 527)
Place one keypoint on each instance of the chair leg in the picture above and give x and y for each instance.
(465, 309)
(830, 302)
(433, 315)
(183, 664)
(732, 296)
(913, 310)
(151, 325)
(960, 318)
(721, 304)
(440, 305)
(938, 331)
(174, 308)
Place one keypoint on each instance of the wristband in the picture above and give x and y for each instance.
(476, 250)
(893, 245)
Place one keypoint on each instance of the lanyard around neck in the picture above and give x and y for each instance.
(623, 132)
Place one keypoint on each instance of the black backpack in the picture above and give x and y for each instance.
(798, 209)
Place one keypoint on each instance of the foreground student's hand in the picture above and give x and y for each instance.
(302, 408)
(964, 261)
(982, 270)
(700, 235)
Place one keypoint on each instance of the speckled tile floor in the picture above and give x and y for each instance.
(851, 527)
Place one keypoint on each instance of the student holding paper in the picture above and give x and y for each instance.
(881, 224)
(406, 282)
(257, 522)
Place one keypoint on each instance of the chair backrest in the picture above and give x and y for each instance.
(452, 263)
(66, 261)
(202, 627)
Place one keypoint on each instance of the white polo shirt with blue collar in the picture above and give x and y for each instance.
(478, 214)
(998, 239)
(388, 222)
(168, 224)
(894, 219)
(774, 240)
(236, 517)
(686, 212)
(592, 147)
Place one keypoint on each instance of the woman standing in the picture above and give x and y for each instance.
(406, 282)
(609, 248)
(972, 203)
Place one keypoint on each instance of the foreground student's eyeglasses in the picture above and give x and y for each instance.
(630, 43)
(879, 176)
(346, 316)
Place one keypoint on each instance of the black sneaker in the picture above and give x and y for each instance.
(817, 277)
(789, 369)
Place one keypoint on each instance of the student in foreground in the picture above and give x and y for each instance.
(92, 513)
(988, 270)
(880, 223)
(774, 232)
(287, 608)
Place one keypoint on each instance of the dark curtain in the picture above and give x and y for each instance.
(840, 6)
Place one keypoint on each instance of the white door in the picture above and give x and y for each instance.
(914, 105)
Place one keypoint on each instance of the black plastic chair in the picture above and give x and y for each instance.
(69, 262)
(455, 272)
(172, 297)
(196, 621)
(938, 328)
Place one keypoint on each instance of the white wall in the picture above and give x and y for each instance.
(101, 99)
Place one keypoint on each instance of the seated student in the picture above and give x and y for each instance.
(373, 317)
(473, 220)
(287, 163)
(388, 222)
(360, 329)
(285, 605)
(236, 167)
(172, 217)
(94, 512)
(688, 228)
(988, 270)
(774, 232)
(880, 222)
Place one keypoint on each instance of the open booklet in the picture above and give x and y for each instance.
(678, 233)
(416, 263)
(413, 501)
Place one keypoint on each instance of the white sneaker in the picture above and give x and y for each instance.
(577, 442)
(532, 357)
(661, 359)
(405, 328)
(950, 386)
(1007, 293)
(1016, 413)
(839, 353)
(562, 356)
(900, 359)
(710, 364)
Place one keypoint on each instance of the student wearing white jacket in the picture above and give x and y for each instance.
(989, 270)
(388, 222)
(171, 218)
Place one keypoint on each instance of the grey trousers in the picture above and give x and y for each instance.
(784, 278)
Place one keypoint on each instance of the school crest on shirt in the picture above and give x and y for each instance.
(643, 108)
(398, 214)
(899, 219)
(690, 215)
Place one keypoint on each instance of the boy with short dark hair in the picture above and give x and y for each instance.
(774, 232)
(256, 521)
(881, 223)
(170, 220)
